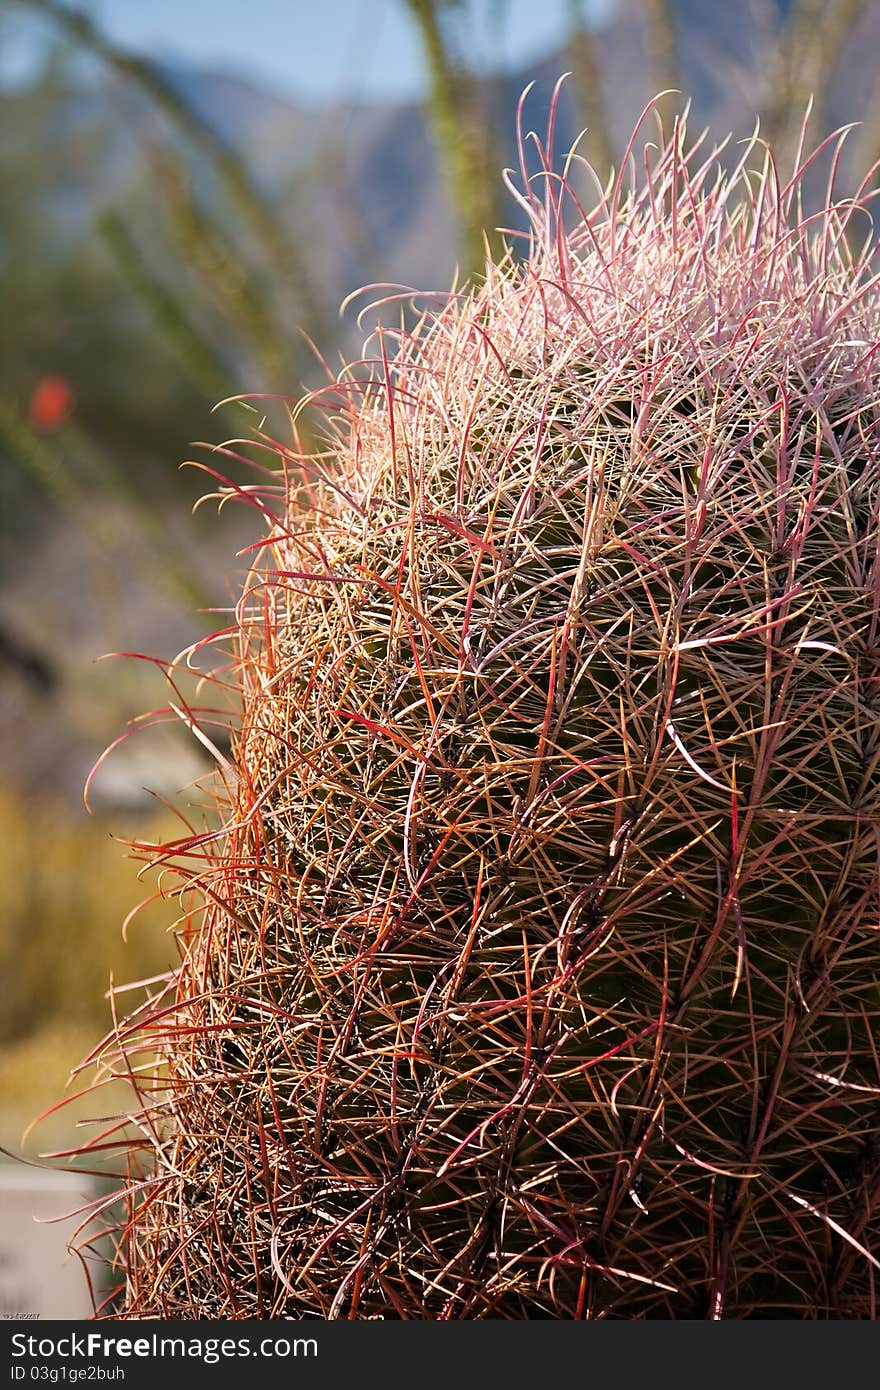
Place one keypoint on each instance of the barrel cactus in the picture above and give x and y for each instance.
(535, 973)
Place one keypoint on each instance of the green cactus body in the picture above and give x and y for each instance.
(538, 971)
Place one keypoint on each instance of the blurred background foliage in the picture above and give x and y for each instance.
(170, 236)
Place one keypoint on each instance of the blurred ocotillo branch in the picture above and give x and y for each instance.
(204, 245)
(661, 38)
(463, 136)
(201, 363)
(800, 52)
(805, 61)
(231, 171)
(587, 72)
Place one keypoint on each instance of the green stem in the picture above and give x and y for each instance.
(201, 363)
(202, 242)
(228, 166)
(586, 69)
(662, 46)
(462, 139)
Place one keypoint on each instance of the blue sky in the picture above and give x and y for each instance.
(313, 50)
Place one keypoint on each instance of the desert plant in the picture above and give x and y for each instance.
(533, 971)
